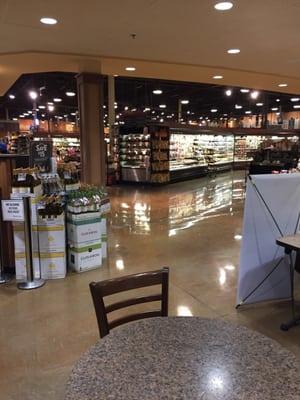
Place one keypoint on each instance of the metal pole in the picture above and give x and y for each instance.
(179, 111)
(30, 283)
(4, 278)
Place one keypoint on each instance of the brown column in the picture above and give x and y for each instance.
(90, 104)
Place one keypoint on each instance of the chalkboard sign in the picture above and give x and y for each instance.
(40, 154)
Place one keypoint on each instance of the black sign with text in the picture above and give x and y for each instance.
(40, 154)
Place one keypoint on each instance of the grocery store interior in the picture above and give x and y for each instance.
(133, 147)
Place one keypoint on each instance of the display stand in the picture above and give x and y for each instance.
(31, 282)
(272, 210)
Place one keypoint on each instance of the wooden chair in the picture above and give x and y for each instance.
(99, 290)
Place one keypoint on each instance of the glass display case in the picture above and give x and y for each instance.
(135, 151)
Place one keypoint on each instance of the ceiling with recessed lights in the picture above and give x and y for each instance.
(156, 98)
(179, 41)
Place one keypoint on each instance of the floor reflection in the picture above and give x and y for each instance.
(143, 208)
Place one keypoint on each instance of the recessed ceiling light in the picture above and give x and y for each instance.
(48, 21)
(162, 106)
(214, 110)
(248, 112)
(116, 76)
(223, 6)
(130, 68)
(50, 107)
(42, 107)
(11, 96)
(50, 103)
(57, 100)
(157, 91)
(278, 100)
(71, 94)
(217, 77)
(185, 101)
(254, 94)
(297, 106)
(295, 99)
(238, 107)
(245, 90)
(228, 92)
(282, 84)
(126, 108)
(274, 109)
(225, 115)
(33, 95)
(15, 119)
(259, 104)
(233, 51)
(73, 113)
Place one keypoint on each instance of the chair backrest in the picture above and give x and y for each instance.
(99, 290)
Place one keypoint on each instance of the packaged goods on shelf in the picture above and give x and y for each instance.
(70, 175)
(26, 180)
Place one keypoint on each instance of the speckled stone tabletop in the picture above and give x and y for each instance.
(185, 358)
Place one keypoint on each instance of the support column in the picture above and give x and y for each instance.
(179, 111)
(111, 101)
(90, 105)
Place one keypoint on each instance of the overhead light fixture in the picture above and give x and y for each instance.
(130, 69)
(217, 77)
(48, 21)
(228, 92)
(295, 99)
(157, 91)
(224, 6)
(15, 119)
(184, 101)
(274, 109)
(73, 114)
(233, 51)
(245, 90)
(126, 108)
(297, 106)
(33, 95)
(254, 94)
(11, 96)
(213, 110)
(70, 94)
(278, 100)
(50, 107)
(248, 112)
(42, 107)
(57, 100)
(238, 107)
(50, 103)
(162, 106)
(282, 84)
(259, 104)
(115, 76)
(225, 115)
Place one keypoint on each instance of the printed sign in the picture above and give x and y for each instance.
(12, 210)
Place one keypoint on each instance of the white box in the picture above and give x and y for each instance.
(84, 230)
(104, 236)
(52, 236)
(86, 257)
(20, 263)
(53, 265)
(19, 237)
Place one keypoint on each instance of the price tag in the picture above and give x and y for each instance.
(21, 177)
(12, 210)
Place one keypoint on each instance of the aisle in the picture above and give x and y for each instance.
(194, 227)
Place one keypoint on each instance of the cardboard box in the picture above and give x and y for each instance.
(104, 237)
(19, 237)
(20, 262)
(53, 264)
(83, 230)
(51, 232)
(85, 257)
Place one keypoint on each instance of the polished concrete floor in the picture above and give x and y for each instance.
(193, 227)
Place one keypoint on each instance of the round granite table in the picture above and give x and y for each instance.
(185, 358)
